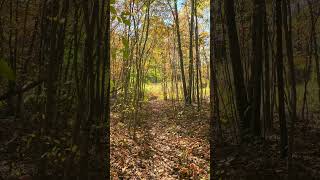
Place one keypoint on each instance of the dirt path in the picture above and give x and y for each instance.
(170, 144)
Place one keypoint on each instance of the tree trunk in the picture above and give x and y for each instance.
(292, 79)
(313, 17)
(176, 18)
(191, 30)
(267, 105)
(213, 110)
(105, 94)
(240, 89)
(256, 67)
(279, 59)
(198, 70)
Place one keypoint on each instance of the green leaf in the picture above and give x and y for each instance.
(113, 54)
(6, 71)
(126, 21)
(113, 18)
(124, 18)
(119, 19)
(125, 13)
(112, 1)
(113, 10)
(111, 84)
(125, 43)
(125, 50)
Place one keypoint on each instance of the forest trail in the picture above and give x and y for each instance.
(171, 144)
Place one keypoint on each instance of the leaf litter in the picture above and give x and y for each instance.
(171, 143)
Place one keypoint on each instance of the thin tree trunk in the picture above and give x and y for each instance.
(267, 105)
(191, 31)
(279, 58)
(240, 89)
(213, 114)
(292, 79)
(314, 18)
(198, 74)
(256, 67)
(176, 18)
(105, 93)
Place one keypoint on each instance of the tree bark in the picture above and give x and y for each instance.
(256, 67)
(191, 30)
(198, 70)
(279, 59)
(267, 93)
(176, 18)
(292, 79)
(314, 18)
(213, 92)
(237, 69)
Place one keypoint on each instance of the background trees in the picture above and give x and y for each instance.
(264, 44)
(58, 90)
(63, 64)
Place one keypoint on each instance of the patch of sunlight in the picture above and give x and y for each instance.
(154, 89)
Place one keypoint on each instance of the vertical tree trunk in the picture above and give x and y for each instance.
(90, 10)
(176, 18)
(256, 67)
(76, 123)
(105, 94)
(197, 56)
(55, 51)
(164, 82)
(313, 18)
(279, 59)
(292, 79)
(191, 30)
(267, 105)
(212, 96)
(11, 84)
(240, 89)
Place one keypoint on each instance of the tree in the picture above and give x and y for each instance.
(54, 47)
(198, 62)
(279, 59)
(237, 70)
(191, 31)
(105, 94)
(177, 28)
(267, 92)
(213, 94)
(286, 6)
(314, 19)
(256, 67)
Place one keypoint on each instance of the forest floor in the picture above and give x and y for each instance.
(170, 143)
(261, 159)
